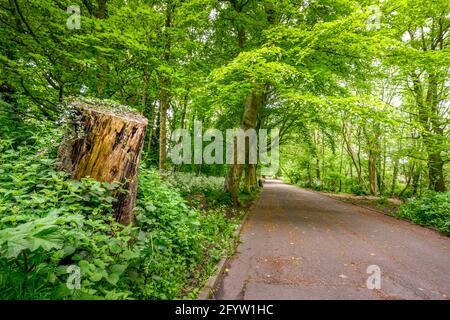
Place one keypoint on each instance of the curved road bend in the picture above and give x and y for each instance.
(297, 244)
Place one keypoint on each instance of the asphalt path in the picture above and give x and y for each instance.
(298, 244)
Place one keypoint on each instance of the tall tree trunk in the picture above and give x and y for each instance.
(323, 161)
(372, 168)
(164, 105)
(355, 158)
(153, 116)
(101, 9)
(144, 96)
(383, 174)
(408, 179)
(164, 92)
(316, 144)
(394, 177)
(183, 112)
(250, 180)
(436, 172)
(432, 130)
(340, 166)
(309, 174)
(416, 180)
(250, 117)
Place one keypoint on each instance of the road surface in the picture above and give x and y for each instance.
(298, 244)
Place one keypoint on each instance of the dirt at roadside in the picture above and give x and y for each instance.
(386, 206)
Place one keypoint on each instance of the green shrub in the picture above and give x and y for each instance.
(49, 223)
(189, 183)
(178, 238)
(430, 209)
(359, 190)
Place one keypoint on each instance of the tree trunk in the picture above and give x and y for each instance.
(340, 166)
(372, 173)
(316, 144)
(355, 159)
(394, 177)
(432, 129)
(383, 174)
(436, 172)
(250, 180)
(164, 91)
(108, 150)
(153, 116)
(416, 180)
(145, 79)
(184, 109)
(309, 174)
(408, 178)
(164, 104)
(101, 12)
(323, 160)
(233, 179)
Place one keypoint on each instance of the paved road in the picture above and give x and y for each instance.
(297, 244)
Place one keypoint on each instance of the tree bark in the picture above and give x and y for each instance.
(351, 153)
(416, 180)
(408, 178)
(164, 91)
(153, 116)
(341, 165)
(105, 145)
(436, 172)
(145, 79)
(432, 129)
(233, 179)
(250, 180)
(372, 173)
(394, 176)
(164, 105)
(101, 10)
(317, 155)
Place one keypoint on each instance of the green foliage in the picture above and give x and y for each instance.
(189, 183)
(358, 190)
(430, 209)
(178, 238)
(49, 222)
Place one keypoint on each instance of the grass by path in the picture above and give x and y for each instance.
(387, 206)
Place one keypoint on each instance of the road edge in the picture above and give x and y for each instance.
(209, 289)
(373, 209)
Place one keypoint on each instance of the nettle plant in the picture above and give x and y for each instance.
(51, 225)
(49, 222)
(188, 182)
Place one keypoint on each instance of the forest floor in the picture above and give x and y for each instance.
(386, 206)
(300, 244)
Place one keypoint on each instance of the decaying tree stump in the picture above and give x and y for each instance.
(105, 142)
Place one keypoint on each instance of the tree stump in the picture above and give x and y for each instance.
(105, 143)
